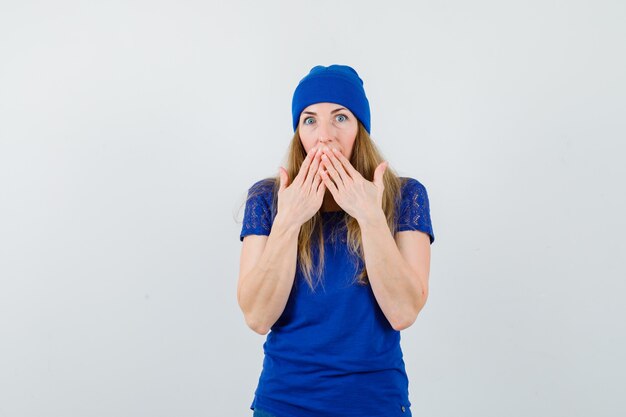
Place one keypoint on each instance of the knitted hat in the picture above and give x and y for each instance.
(333, 84)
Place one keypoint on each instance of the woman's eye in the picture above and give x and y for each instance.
(305, 120)
(341, 115)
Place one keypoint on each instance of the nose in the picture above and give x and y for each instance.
(325, 132)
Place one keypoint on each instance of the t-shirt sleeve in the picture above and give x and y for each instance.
(257, 218)
(414, 212)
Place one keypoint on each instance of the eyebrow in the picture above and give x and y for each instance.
(315, 114)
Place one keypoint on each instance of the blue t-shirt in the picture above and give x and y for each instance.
(333, 352)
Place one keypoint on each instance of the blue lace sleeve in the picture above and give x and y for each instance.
(257, 219)
(414, 212)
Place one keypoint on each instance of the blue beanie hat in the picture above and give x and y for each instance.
(333, 84)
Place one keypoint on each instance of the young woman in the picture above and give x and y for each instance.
(334, 263)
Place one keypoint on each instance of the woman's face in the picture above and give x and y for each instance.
(328, 124)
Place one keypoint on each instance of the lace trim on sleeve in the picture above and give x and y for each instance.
(414, 213)
(257, 219)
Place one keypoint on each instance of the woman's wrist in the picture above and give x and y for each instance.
(285, 224)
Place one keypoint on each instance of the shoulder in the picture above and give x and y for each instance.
(262, 190)
(410, 181)
(261, 197)
(264, 186)
(411, 187)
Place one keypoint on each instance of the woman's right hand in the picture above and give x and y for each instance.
(300, 199)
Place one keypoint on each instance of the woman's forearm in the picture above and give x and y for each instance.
(266, 287)
(399, 293)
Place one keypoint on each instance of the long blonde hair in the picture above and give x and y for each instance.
(365, 158)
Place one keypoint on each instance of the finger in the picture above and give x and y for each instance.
(316, 183)
(332, 172)
(321, 189)
(329, 184)
(304, 167)
(352, 172)
(338, 167)
(313, 168)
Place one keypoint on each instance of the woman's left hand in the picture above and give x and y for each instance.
(360, 198)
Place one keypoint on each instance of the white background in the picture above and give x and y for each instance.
(129, 135)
